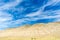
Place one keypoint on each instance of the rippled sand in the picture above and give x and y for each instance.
(50, 31)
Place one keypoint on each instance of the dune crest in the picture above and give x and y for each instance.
(40, 31)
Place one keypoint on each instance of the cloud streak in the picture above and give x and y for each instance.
(12, 15)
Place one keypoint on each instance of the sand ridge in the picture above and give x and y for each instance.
(34, 30)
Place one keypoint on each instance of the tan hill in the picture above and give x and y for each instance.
(50, 31)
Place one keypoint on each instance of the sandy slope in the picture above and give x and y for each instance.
(50, 31)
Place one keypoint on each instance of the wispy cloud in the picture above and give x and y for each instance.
(4, 18)
(9, 5)
(7, 19)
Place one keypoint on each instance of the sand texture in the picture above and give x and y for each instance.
(50, 31)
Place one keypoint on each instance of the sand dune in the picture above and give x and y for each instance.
(50, 31)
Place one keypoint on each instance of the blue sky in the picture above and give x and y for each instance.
(15, 13)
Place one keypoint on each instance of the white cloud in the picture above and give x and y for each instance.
(9, 5)
(52, 2)
(34, 13)
(6, 18)
(40, 14)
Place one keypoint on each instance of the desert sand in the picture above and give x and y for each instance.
(49, 31)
